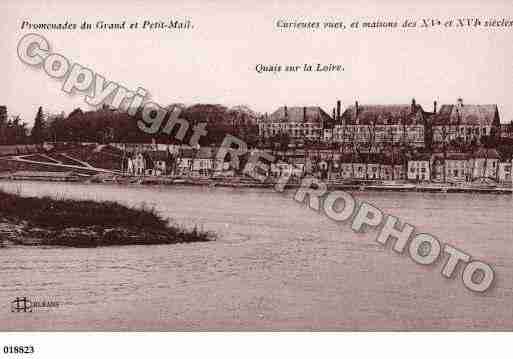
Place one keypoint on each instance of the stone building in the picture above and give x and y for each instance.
(372, 127)
(298, 123)
(465, 123)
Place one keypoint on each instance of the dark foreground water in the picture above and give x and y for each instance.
(276, 265)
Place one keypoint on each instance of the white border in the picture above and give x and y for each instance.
(260, 345)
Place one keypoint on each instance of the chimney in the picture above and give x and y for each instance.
(460, 102)
(334, 118)
(286, 112)
(338, 111)
(304, 114)
(356, 109)
(434, 106)
(413, 105)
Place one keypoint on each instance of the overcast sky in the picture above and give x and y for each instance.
(215, 61)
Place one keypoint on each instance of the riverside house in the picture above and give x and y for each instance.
(456, 167)
(159, 163)
(136, 164)
(505, 175)
(222, 167)
(297, 161)
(185, 161)
(367, 167)
(461, 167)
(484, 163)
(419, 168)
(451, 167)
(203, 162)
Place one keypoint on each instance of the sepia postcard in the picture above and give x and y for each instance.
(263, 166)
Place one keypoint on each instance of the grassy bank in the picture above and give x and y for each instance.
(82, 223)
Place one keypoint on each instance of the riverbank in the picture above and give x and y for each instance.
(244, 182)
(356, 186)
(85, 223)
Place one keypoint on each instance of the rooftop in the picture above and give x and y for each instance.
(467, 114)
(300, 114)
(382, 114)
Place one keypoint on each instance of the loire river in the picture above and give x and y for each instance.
(277, 265)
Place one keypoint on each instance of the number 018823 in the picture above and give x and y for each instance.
(18, 349)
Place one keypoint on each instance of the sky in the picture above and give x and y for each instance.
(215, 61)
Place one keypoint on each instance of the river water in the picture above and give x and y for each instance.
(276, 266)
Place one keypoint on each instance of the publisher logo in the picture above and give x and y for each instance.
(25, 305)
(21, 305)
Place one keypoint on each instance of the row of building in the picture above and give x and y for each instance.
(177, 161)
(420, 167)
(373, 127)
(329, 165)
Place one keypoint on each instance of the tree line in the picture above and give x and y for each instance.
(106, 125)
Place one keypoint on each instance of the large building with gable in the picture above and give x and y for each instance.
(369, 128)
(305, 123)
(465, 123)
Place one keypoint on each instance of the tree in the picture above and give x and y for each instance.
(3, 124)
(3, 114)
(38, 131)
(16, 131)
